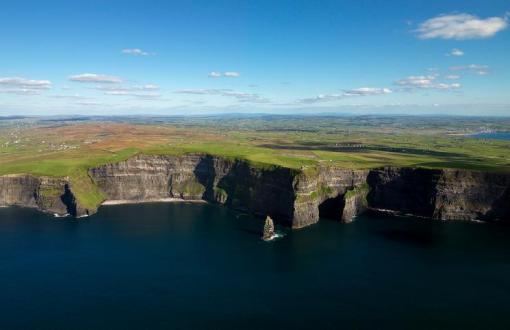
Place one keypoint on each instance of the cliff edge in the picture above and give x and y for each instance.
(295, 198)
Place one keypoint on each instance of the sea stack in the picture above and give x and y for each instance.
(268, 229)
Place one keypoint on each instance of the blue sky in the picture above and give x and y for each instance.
(196, 57)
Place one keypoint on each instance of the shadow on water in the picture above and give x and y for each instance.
(412, 237)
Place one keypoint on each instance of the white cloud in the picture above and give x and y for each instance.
(452, 77)
(321, 98)
(136, 52)
(455, 52)
(479, 69)
(363, 91)
(146, 95)
(89, 103)
(240, 96)
(147, 87)
(23, 86)
(231, 74)
(214, 74)
(68, 97)
(95, 78)
(425, 82)
(228, 74)
(147, 91)
(461, 26)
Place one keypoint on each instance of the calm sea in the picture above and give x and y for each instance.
(189, 266)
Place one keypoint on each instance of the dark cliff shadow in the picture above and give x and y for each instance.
(235, 184)
(205, 174)
(69, 201)
(419, 238)
(332, 208)
(259, 191)
(410, 190)
(500, 208)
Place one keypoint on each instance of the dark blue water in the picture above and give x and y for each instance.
(494, 136)
(188, 266)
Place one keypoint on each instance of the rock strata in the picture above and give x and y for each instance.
(295, 198)
(51, 195)
(447, 194)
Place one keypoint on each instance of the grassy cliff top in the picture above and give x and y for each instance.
(70, 148)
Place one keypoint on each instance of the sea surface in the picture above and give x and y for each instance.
(494, 136)
(201, 266)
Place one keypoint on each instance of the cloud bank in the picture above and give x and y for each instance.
(425, 82)
(95, 78)
(363, 91)
(228, 74)
(23, 86)
(461, 26)
(135, 52)
(240, 96)
(455, 52)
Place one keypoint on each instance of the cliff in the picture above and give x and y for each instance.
(52, 195)
(441, 194)
(234, 183)
(320, 192)
(295, 198)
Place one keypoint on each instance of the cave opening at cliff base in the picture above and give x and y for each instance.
(332, 208)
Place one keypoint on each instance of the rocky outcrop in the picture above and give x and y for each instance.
(355, 202)
(295, 198)
(52, 195)
(268, 234)
(447, 194)
(320, 192)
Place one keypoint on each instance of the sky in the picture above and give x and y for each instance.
(206, 57)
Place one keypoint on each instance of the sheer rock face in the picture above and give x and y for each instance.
(442, 194)
(295, 198)
(354, 204)
(52, 195)
(233, 183)
(320, 186)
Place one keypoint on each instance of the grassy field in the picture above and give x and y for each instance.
(70, 148)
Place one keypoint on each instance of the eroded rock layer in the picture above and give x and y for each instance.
(234, 183)
(441, 194)
(52, 195)
(296, 198)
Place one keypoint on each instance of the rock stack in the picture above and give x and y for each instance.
(268, 233)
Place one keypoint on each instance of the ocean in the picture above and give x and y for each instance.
(203, 266)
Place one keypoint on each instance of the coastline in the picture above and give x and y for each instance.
(155, 200)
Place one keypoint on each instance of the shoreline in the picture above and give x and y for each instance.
(155, 200)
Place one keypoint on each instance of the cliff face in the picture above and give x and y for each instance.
(52, 195)
(441, 194)
(291, 197)
(321, 193)
(230, 182)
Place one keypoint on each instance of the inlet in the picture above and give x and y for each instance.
(332, 208)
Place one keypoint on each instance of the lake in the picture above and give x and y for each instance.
(202, 266)
(493, 135)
